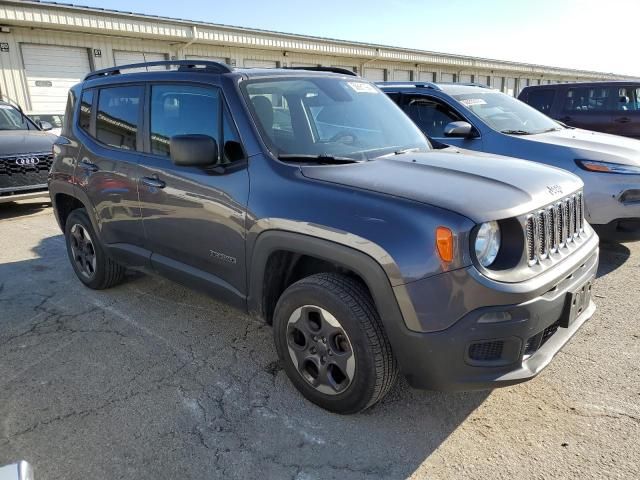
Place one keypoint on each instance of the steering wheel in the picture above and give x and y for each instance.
(346, 137)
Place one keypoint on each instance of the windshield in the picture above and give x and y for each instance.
(12, 119)
(334, 117)
(506, 114)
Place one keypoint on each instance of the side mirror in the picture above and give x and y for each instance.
(193, 150)
(458, 129)
(44, 125)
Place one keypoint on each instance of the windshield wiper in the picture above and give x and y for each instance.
(516, 132)
(302, 158)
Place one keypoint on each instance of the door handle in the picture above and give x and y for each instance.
(153, 182)
(623, 120)
(86, 165)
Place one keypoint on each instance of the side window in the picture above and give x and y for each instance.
(182, 110)
(588, 99)
(117, 117)
(430, 115)
(85, 110)
(541, 99)
(627, 99)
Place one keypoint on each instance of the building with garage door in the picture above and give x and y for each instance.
(46, 47)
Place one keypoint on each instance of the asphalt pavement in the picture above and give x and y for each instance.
(150, 380)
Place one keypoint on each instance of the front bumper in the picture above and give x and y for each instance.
(442, 360)
(22, 195)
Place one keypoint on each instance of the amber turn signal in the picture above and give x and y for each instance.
(444, 243)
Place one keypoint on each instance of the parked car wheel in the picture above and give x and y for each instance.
(332, 344)
(88, 259)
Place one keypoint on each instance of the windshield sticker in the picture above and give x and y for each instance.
(361, 87)
(470, 102)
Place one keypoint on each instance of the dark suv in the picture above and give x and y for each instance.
(25, 155)
(608, 107)
(310, 200)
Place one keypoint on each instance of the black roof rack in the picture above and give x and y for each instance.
(343, 71)
(183, 66)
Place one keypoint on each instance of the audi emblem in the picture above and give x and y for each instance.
(27, 161)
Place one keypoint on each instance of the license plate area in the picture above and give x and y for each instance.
(576, 303)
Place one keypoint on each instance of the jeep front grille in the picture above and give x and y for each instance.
(552, 228)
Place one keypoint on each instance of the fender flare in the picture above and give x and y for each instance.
(363, 265)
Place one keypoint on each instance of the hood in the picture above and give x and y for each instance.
(480, 187)
(15, 142)
(589, 145)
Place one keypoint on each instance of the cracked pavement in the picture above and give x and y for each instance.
(150, 380)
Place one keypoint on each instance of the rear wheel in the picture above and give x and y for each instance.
(331, 342)
(88, 259)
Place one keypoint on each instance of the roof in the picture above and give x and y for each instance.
(65, 16)
(450, 88)
(599, 83)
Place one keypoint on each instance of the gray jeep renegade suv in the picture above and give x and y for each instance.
(310, 200)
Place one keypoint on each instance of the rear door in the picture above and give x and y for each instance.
(109, 131)
(194, 217)
(626, 115)
(588, 107)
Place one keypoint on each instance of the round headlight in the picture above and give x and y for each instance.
(487, 243)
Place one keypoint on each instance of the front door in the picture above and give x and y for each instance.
(194, 217)
(432, 115)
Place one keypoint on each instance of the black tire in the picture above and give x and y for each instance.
(347, 301)
(103, 272)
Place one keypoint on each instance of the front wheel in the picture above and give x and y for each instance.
(331, 342)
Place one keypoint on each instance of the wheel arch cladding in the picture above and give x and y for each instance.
(365, 267)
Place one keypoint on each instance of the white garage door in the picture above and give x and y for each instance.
(465, 78)
(374, 74)
(345, 67)
(302, 64)
(50, 72)
(402, 75)
(447, 77)
(260, 64)
(209, 59)
(426, 76)
(125, 58)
